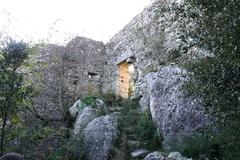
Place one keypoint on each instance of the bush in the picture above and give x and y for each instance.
(46, 143)
(211, 144)
(110, 99)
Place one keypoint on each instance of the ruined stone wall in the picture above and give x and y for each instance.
(47, 78)
(84, 60)
(64, 74)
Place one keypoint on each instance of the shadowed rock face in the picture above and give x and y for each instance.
(83, 119)
(174, 114)
(12, 156)
(100, 136)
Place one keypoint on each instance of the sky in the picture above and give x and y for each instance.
(57, 21)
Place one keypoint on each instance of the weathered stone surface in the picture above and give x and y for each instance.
(100, 135)
(154, 156)
(176, 156)
(64, 74)
(83, 119)
(171, 156)
(174, 114)
(84, 59)
(76, 108)
(46, 76)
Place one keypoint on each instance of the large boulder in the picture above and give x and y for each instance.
(83, 119)
(174, 114)
(177, 156)
(100, 135)
(171, 156)
(76, 108)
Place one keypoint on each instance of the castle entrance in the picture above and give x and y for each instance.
(125, 79)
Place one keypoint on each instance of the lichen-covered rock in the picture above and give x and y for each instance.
(84, 59)
(174, 114)
(154, 156)
(76, 108)
(83, 119)
(171, 156)
(176, 156)
(99, 137)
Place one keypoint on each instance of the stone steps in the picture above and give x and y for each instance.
(130, 144)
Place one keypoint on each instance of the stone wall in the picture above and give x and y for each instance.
(64, 74)
(84, 59)
(47, 78)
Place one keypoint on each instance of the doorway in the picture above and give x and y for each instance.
(125, 79)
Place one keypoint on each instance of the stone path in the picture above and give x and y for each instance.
(128, 146)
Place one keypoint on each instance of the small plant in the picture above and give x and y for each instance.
(110, 99)
(89, 101)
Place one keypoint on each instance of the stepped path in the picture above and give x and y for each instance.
(128, 146)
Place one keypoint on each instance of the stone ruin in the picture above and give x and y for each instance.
(130, 65)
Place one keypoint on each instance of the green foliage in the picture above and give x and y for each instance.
(71, 149)
(213, 28)
(110, 99)
(209, 144)
(92, 101)
(216, 78)
(45, 143)
(147, 131)
(14, 93)
(89, 101)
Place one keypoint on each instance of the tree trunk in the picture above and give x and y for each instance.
(3, 135)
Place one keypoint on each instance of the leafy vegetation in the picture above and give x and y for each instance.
(13, 92)
(211, 144)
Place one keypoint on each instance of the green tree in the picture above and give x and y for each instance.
(216, 77)
(213, 27)
(13, 92)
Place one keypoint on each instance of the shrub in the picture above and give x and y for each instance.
(211, 144)
(110, 99)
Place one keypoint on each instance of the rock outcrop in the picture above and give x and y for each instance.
(84, 118)
(154, 156)
(83, 60)
(171, 156)
(174, 114)
(100, 136)
(76, 108)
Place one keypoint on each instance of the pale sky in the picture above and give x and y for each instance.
(58, 20)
